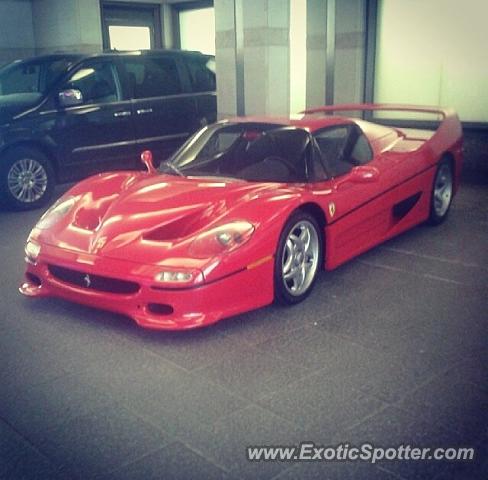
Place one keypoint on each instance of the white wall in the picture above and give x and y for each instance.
(434, 53)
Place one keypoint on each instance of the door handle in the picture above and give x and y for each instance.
(142, 111)
(124, 113)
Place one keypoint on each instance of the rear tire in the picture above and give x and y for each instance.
(26, 179)
(442, 193)
(298, 259)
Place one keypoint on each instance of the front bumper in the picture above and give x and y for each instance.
(180, 309)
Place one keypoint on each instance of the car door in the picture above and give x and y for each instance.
(164, 113)
(99, 134)
(360, 200)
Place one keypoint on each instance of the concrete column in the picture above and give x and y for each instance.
(67, 25)
(263, 29)
(346, 53)
(226, 57)
(267, 56)
(335, 52)
(316, 52)
(16, 30)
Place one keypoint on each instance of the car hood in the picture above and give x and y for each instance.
(16, 103)
(150, 218)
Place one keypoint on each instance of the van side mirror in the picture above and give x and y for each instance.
(70, 97)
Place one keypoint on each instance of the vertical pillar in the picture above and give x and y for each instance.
(350, 45)
(330, 52)
(316, 52)
(252, 57)
(226, 58)
(267, 56)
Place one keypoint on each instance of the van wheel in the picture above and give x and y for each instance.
(26, 179)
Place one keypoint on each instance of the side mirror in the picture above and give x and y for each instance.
(70, 97)
(364, 174)
(147, 161)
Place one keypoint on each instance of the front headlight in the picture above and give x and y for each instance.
(179, 277)
(32, 251)
(61, 208)
(222, 239)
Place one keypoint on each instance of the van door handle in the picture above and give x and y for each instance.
(124, 113)
(142, 111)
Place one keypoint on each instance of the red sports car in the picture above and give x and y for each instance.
(246, 212)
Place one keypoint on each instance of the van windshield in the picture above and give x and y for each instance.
(32, 76)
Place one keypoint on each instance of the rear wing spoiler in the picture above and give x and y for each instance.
(444, 112)
(447, 134)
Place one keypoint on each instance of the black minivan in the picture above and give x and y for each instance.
(64, 117)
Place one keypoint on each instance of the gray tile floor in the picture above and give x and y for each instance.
(391, 348)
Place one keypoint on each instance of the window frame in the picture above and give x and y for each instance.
(360, 134)
(186, 60)
(176, 8)
(129, 92)
(86, 64)
(354, 132)
(152, 8)
(309, 152)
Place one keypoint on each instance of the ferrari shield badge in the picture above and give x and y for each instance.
(332, 208)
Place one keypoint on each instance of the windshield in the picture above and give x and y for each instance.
(260, 152)
(32, 76)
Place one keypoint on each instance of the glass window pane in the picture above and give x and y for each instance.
(197, 30)
(332, 142)
(202, 75)
(96, 83)
(21, 78)
(125, 37)
(433, 63)
(361, 153)
(153, 77)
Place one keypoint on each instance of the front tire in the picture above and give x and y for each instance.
(26, 179)
(442, 193)
(298, 259)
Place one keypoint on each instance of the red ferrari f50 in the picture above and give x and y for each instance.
(246, 212)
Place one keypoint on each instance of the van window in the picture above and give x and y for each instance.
(202, 73)
(22, 79)
(32, 76)
(96, 82)
(152, 76)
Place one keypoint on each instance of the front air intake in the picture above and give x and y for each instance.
(93, 282)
